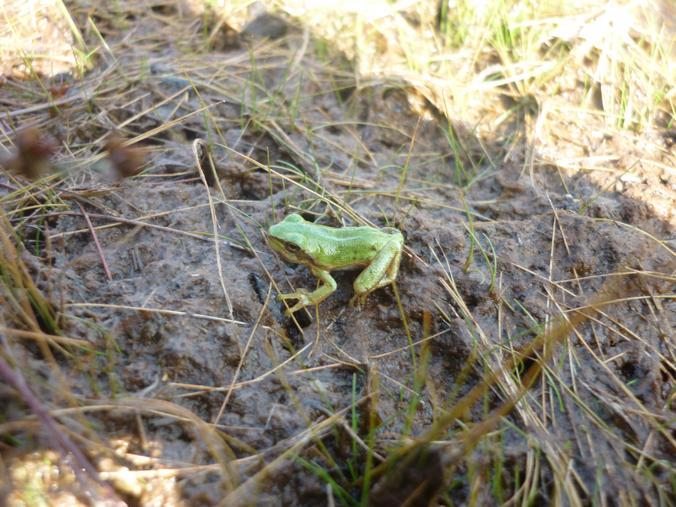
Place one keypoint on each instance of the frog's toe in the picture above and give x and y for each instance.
(302, 303)
(358, 300)
(289, 311)
(298, 294)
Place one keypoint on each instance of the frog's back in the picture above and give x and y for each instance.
(351, 247)
(363, 236)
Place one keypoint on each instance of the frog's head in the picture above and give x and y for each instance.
(290, 240)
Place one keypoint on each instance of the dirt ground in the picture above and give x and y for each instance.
(193, 387)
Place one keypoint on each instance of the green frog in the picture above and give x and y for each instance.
(324, 249)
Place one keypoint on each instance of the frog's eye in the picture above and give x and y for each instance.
(292, 248)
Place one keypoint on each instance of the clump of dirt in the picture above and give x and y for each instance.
(194, 385)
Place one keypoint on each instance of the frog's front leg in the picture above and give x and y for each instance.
(305, 298)
(382, 271)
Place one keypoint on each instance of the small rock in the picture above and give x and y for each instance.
(264, 26)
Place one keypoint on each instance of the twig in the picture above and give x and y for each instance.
(243, 356)
(96, 242)
(196, 146)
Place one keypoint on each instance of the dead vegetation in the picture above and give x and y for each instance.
(526, 354)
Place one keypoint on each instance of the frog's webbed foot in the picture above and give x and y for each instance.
(307, 298)
(301, 295)
(358, 300)
(297, 294)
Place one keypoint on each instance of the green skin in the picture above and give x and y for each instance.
(324, 249)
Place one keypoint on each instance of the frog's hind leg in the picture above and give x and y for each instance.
(382, 271)
(391, 273)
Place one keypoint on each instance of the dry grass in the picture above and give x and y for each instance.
(407, 114)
